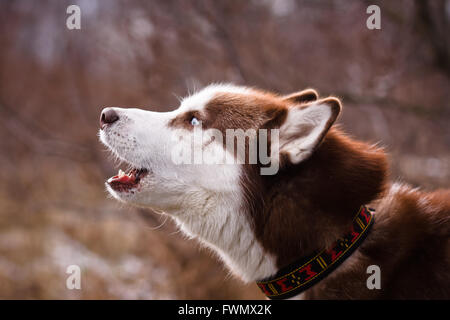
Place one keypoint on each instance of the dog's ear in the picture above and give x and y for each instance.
(305, 126)
(303, 96)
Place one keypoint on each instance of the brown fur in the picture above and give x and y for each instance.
(303, 96)
(317, 197)
(306, 207)
(410, 244)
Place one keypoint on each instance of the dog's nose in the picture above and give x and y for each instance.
(108, 116)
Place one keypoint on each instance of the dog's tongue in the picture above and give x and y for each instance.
(122, 177)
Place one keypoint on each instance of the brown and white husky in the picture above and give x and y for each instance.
(258, 223)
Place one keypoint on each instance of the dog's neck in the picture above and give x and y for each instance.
(310, 205)
(282, 218)
(225, 229)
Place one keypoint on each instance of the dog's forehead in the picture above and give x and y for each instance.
(199, 100)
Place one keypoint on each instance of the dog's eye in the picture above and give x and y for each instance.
(194, 121)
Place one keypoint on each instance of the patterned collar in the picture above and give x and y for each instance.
(306, 272)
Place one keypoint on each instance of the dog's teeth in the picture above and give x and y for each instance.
(121, 173)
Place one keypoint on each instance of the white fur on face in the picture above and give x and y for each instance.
(206, 200)
(138, 138)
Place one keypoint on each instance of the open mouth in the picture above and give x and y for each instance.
(127, 181)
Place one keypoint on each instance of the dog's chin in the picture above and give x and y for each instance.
(141, 197)
(122, 196)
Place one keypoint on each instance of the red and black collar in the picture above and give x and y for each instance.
(308, 271)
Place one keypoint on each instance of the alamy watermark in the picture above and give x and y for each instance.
(239, 147)
(73, 281)
(374, 280)
(73, 22)
(374, 20)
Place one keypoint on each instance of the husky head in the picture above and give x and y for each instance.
(191, 163)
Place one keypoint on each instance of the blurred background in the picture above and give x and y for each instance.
(54, 210)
